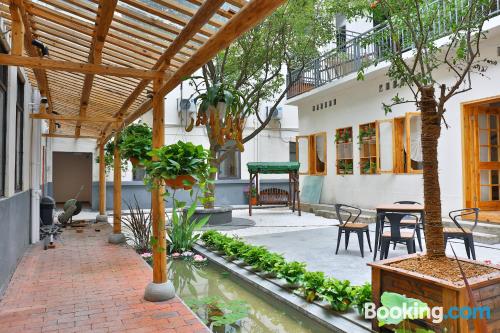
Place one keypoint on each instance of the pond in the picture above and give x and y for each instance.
(195, 282)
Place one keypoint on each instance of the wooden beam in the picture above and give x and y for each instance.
(55, 117)
(69, 136)
(105, 12)
(201, 17)
(249, 16)
(102, 180)
(17, 31)
(117, 191)
(157, 201)
(79, 67)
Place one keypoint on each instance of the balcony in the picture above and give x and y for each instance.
(368, 48)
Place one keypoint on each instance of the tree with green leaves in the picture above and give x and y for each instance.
(251, 71)
(418, 39)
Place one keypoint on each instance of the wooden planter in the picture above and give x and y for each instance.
(179, 182)
(437, 292)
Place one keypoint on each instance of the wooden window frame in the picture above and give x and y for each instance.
(311, 158)
(372, 146)
(379, 155)
(340, 147)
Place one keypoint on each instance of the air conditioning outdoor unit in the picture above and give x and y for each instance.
(186, 105)
(277, 114)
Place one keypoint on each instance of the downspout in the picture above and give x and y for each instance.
(36, 143)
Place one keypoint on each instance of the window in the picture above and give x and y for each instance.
(343, 141)
(367, 141)
(292, 150)
(230, 167)
(311, 153)
(19, 135)
(3, 125)
(399, 144)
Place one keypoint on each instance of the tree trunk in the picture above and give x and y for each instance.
(209, 202)
(431, 130)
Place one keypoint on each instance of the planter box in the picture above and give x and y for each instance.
(437, 292)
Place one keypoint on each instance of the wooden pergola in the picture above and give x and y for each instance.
(111, 61)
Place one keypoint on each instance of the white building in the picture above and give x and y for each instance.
(331, 100)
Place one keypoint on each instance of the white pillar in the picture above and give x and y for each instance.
(36, 167)
(10, 146)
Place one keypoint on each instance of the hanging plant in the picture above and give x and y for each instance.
(109, 151)
(136, 143)
(220, 110)
(179, 165)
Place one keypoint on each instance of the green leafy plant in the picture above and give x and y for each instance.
(270, 262)
(253, 254)
(414, 309)
(109, 151)
(346, 136)
(345, 167)
(183, 231)
(338, 293)
(293, 272)
(138, 224)
(214, 311)
(338, 137)
(232, 248)
(136, 142)
(181, 158)
(312, 284)
(365, 167)
(219, 93)
(362, 295)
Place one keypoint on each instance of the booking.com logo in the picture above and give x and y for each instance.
(435, 314)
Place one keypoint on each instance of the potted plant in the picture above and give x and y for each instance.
(178, 165)
(312, 284)
(338, 293)
(253, 255)
(109, 150)
(232, 248)
(270, 263)
(346, 136)
(136, 142)
(253, 195)
(338, 138)
(362, 295)
(293, 272)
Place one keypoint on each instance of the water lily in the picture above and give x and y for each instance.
(199, 258)
(146, 255)
(176, 255)
(487, 262)
(187, 254)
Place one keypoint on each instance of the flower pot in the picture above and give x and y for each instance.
(179, 182)
(134, 161)
(435, 292)
(253, 201)
(294, 285)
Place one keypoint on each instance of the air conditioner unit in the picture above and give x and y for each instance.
(186, 105)
(277, 114)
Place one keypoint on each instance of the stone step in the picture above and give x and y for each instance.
(363, 218)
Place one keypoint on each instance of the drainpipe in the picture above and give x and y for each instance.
(36, 146)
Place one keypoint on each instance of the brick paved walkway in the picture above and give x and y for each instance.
(87, 285)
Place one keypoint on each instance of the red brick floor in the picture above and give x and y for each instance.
(88, 285)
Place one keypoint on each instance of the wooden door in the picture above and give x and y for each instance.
(487, 158)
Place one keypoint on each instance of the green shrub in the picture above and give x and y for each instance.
(253, 254)
(293, 272)
(312, 284)
(338, 293)
(232, 248)
(183, 231)
(207, 237)
(362, 295)
(270, 262)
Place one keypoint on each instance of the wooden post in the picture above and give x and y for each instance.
(117, 190)
(157, 202)
(102, 180)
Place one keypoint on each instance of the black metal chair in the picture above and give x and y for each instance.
(410, 223)
(350, 225)
(460, 232)
(397, 233)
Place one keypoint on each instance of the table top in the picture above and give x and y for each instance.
(400, 207)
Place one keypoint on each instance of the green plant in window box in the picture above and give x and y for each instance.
(293, 272)
(363, 135)
(373, 167)
(345, 167)
(312, 284)
(338, 293)
(346, 136)
(338, 138)
(365, 167)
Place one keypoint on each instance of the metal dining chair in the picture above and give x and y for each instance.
(459, 232)
(350, 225)
(397, 233)
(411, 224)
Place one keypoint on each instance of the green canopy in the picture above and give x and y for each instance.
(272, 167)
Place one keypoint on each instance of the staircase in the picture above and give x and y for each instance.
(485, 232)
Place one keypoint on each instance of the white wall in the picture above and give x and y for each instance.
(360, 102)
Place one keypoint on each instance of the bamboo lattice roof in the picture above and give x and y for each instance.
(104, 54)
